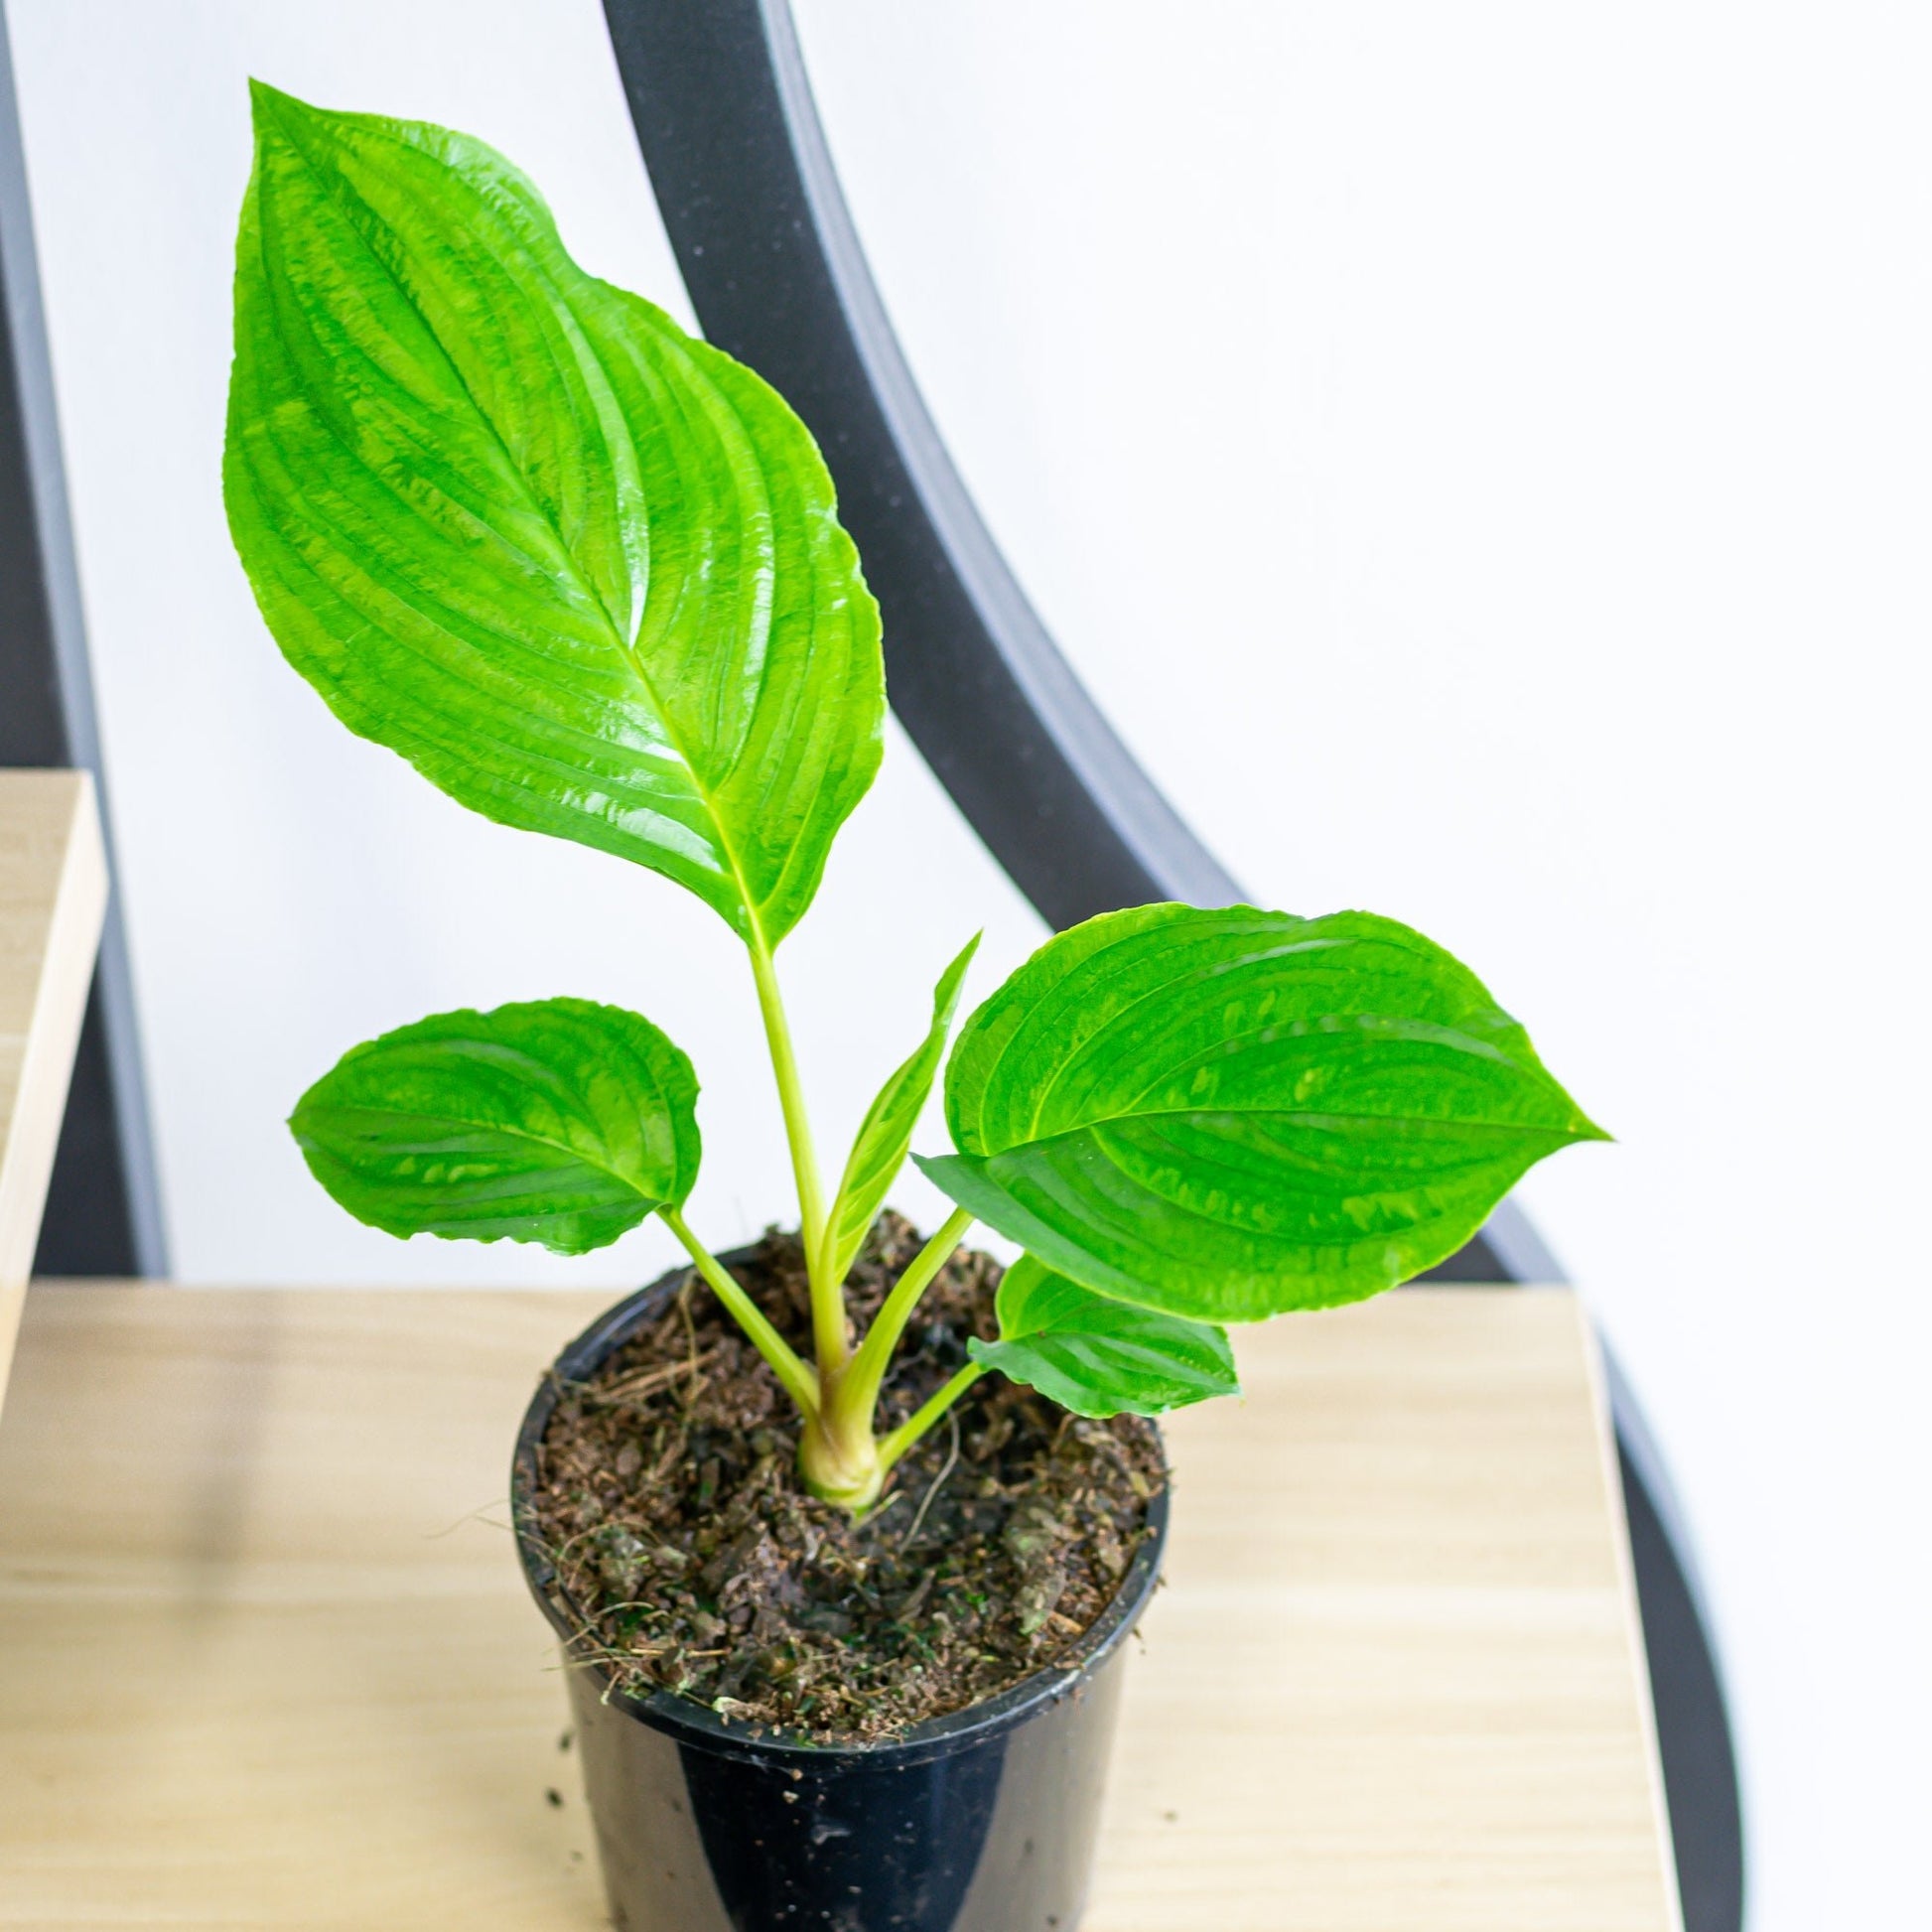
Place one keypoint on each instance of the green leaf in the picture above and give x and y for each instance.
(557, 1121)
(885, 1133)
(1098, 1356)
(1225, 1114)
(584, 571)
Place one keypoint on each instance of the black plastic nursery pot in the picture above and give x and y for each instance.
(983, 1821)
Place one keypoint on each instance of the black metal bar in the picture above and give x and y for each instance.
(103, 1206)
(773, 266)
(1686, 1685)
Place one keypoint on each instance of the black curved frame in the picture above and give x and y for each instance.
(737, 160)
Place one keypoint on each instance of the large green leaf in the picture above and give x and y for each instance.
(1229, 1113)
(1098, 1356)
(558, 1121)
(583, 572)
(885, 1133)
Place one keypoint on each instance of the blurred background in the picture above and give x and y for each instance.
(1477, 457)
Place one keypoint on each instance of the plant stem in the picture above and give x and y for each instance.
(828, 1304)
(858, 1388)
(839, 1464)
(907, 1432)
(799, 1381)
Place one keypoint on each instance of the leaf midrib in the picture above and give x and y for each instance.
(1172, 1209)
(1309, 1117)
(1319, 943)
(508, 1133)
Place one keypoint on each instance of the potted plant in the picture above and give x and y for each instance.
(841, 1533)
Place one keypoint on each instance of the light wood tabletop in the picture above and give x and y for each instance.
(266, 1660)
(53, 894)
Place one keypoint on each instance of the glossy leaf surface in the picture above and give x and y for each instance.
(558, 1121)
(584, 571)
(885, 1133)
(1226, 1114)
(1100, 1356)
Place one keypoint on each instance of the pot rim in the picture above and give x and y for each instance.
(693, 1722)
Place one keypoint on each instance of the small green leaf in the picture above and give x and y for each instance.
(885, 1133)
(1098, 1356)
(557, 1121)
(1225, 1114)
(584, 571)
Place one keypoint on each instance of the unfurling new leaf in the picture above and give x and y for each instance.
(1227, 1114)
(558, 1121)
(1098, 1356)
(584, 571)
(879, 1148)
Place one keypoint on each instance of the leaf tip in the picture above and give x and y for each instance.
(946, 996)
(270, 104)
(299, 1115)
(280, 117)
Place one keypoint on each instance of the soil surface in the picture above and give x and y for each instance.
(669, 1499)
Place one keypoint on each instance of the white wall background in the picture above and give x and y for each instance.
(1477, 455)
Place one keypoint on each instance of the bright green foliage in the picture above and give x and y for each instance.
(1098, 1356)
(582, 571)
(559, 1121)
(885, 1135)
(1226, 1114)
(586, 574)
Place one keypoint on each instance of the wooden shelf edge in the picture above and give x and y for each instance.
(53, 898)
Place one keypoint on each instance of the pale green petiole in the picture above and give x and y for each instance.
(841, 1458)
(857, 1392)
(909, 1431)
(799, 1381)
(828, 1304)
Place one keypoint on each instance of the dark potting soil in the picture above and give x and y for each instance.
(669, 1499)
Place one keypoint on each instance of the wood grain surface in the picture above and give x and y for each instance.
(53, 894)
(266, 1661)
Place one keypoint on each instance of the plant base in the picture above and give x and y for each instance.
(848, 1476)
(699, 1563)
